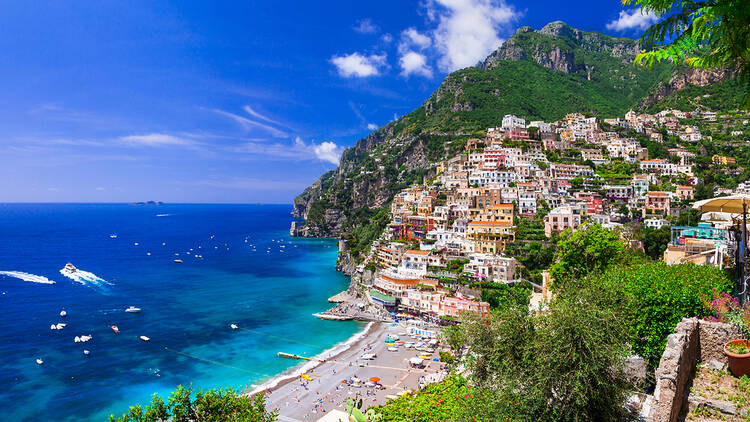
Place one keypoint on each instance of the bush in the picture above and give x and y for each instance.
(447, 357)
(587, 250)
(211, 405)
(438, 402)
(659, 296)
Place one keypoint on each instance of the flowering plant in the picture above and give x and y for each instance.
(723, 307)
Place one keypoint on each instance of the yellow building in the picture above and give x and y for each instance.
(491, 236)
(723, 159)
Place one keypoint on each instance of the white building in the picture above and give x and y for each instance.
(510, 121)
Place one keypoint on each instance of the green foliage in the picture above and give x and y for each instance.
(443, 401)
(561, 365)
(659, 296)
(503, 296)
(655, 241)
(534, 257)
(364, 225)
(725, 95)
(587, 250)
(446, 357)
(203, 406)
(710, 34)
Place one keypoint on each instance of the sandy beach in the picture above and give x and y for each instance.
(297, 399)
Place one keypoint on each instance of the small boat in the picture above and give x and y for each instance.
(233, 326)
(178, 261)
(135, 243)
(132, 309)
(113, 236)
(59, 326)
(77, 339)
(144, 338)
(63, 313)
(114, 328)
(86, 352)
(53, 327)
(148, 253)
(70, 268)
(39, 361)
(84, 339)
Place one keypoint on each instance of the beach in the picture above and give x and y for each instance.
(297, 399)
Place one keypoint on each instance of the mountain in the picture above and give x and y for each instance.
(539, 75)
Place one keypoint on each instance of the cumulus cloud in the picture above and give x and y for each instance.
(413, 63)
(372, 126)
(467, 30)
(387, 38)
(635, 19)
(365, 26)
(413, 38)
(325, 151)
(156, 140)
(358, 65)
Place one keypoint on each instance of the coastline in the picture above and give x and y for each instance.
(295, 371)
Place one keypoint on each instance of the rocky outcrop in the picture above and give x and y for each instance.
(684, 77)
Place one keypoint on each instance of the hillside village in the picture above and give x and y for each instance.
(472, 223)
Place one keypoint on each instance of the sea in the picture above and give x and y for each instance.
(239, 266)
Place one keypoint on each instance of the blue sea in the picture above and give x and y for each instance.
(240, 266)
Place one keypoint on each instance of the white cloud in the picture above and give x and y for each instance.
(372, 126)
(100, 189)
(357, 65)
(255, 114)
(467, 30)
(249, 124)
(387, 38)
(412, 62)
(636, 19)
(365, 26)
(412, 38)
(325, 151)
(299, 150)
(156, 140)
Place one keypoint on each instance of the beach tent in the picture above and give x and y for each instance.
(375, 379)
(335, 415)
(416, 361)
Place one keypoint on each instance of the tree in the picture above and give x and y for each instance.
(589, 249)
(203, 406)
(707, 34)
(655, 241)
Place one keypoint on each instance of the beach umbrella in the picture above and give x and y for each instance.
(734, 204)
(375, 379)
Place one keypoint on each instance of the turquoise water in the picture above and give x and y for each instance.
(250, 273)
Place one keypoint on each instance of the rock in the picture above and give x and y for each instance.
(715, 365)
(635, 370)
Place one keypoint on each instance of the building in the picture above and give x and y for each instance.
(723, 160)
(494, 268)
(561, 218)
(454, 306)
(656, 203)
(685, 193)
(510, 121)
(490, 236)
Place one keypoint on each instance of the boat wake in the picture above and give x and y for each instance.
(84, 277)
(27, 277)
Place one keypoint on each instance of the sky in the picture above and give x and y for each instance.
(230, 101)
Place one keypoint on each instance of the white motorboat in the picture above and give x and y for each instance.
(53, 327)
(233, 326)
(132, 309)
(83, 339)
(144, 338)
(135, 243)
(113, 236)
(63, 313)
(86, 352)
(39, 361)
(115, 329)
(70, 268)
(178, 261)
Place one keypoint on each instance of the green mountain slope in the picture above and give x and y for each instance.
(542, 74)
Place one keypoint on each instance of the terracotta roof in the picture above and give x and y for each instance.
(657, 193)
(415, 252)
(491, 223)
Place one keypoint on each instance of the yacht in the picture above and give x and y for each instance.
(86, 352)
(132, 309)
(233, 326)
(115, 329)
(113, 236)
(70, 268)
(39, 361)
(63, 313)
(144, 338)
(178, 261)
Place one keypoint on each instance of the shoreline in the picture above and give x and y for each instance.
(291, 374)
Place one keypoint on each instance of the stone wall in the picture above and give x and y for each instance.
(693, 341)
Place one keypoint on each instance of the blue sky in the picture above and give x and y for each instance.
(229, 101)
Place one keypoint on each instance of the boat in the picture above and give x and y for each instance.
(233, 326)
(114, 328)
(39, 361)
(113, 236)
(148, 253)
(132, 309)
(77, 339)
(53, 327)
(70, 268)
(84, 339)
(86, 352)
(135, 243)
(178, 261)
(63, 313)
(144, 338)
